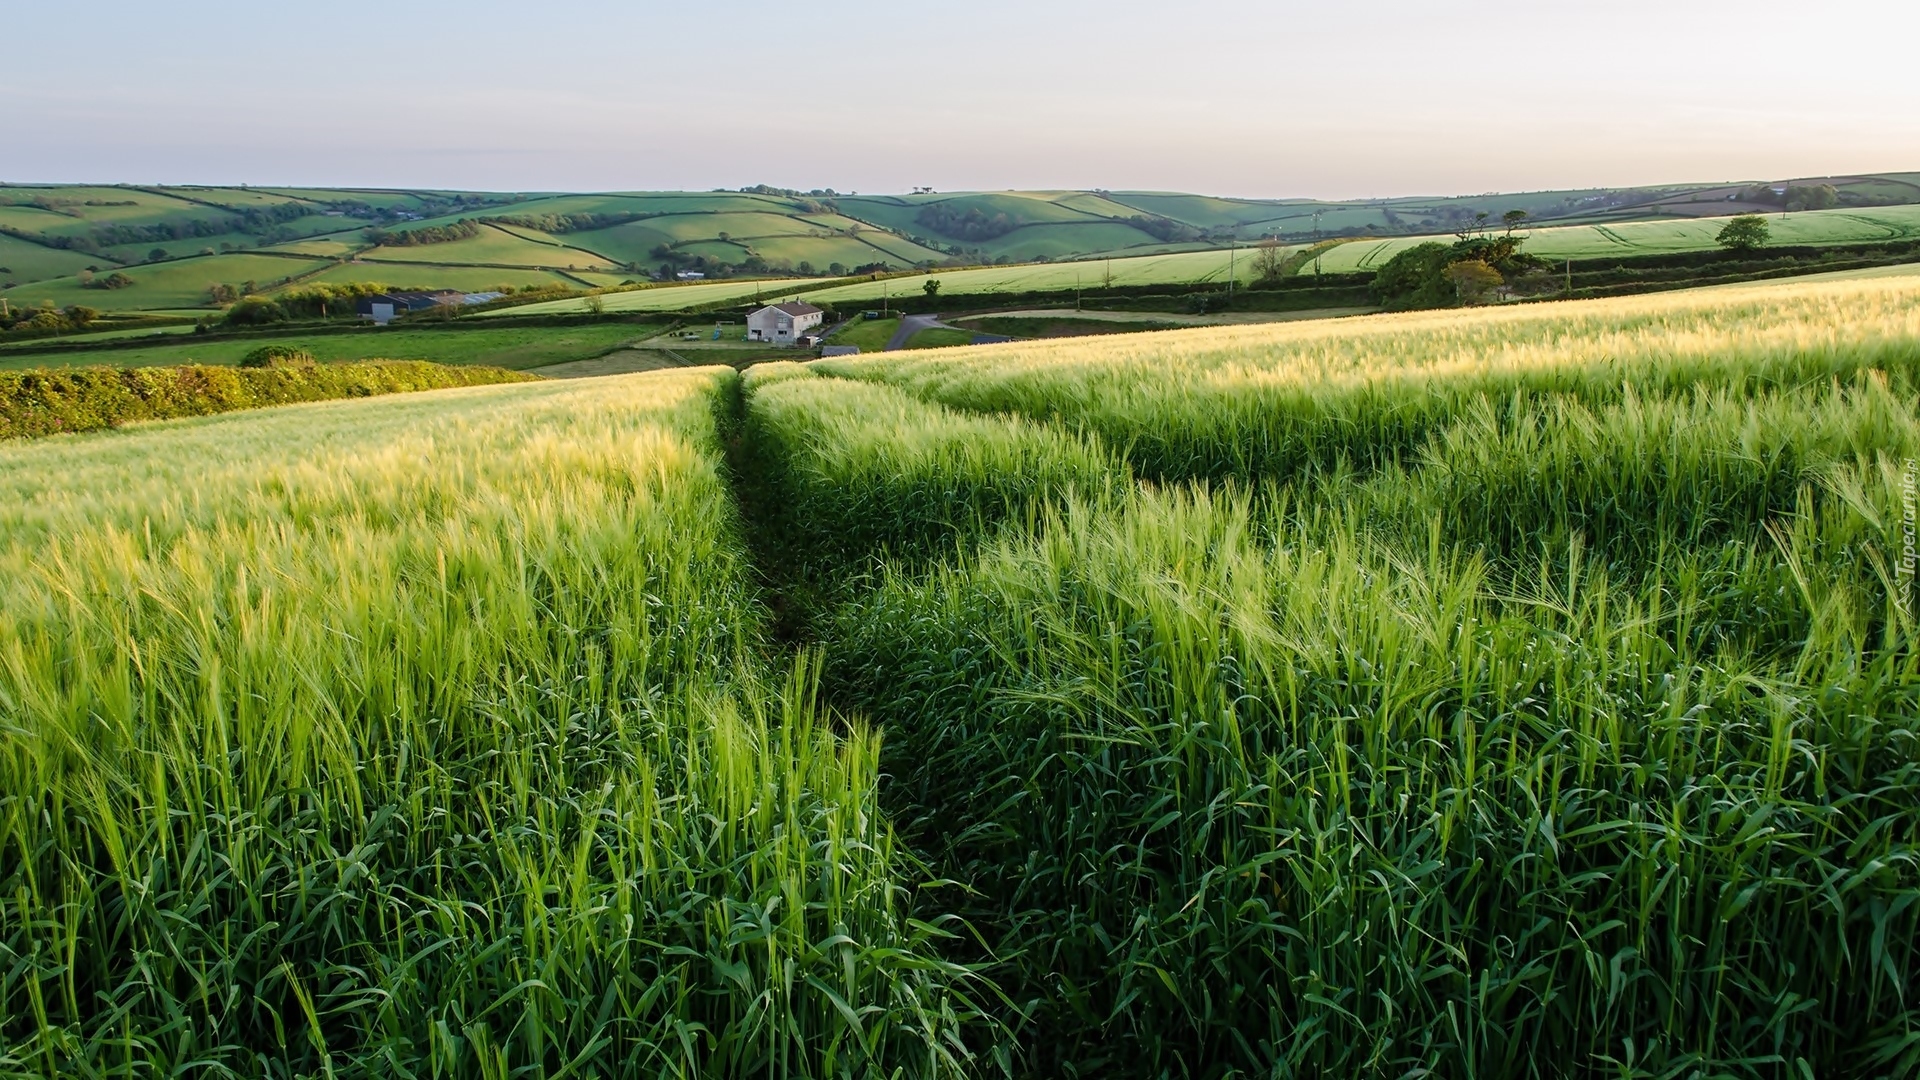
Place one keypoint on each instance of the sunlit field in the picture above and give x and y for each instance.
(1485, 693)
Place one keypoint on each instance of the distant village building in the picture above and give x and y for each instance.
(783, 324)
(690, 275)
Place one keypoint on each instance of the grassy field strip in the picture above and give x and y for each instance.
(669, 298)
(430, 735)
(1654, 237)
(1268, 401)
(1633, 481)
(1182, 268)
(856, 473)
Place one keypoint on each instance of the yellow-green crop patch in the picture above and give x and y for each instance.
(496, 245)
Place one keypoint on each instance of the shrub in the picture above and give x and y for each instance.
(273, 356)
(256, 311)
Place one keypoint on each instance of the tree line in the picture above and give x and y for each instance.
(972, 224)
(425, 234)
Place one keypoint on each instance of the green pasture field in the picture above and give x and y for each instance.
(1068, 239)
(179, 283)
(899, 212)
(870, 335)
(1176, 269)
(898, 249)
(509, 347)
(939, 337)
(824, 251)
(329, 246)
(22, 260)
(1063, 325)
(428, 276)
(632, 243)
(671, 297)
(686, 227)
(133, 254)
(1625, 238)
(731, 251)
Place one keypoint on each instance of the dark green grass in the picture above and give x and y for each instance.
(508, 347)
(1331, 805)
(870, 335)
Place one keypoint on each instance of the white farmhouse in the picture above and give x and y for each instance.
(783, 324)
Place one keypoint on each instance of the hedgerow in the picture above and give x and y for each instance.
(53, 401)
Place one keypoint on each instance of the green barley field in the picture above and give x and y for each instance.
(1528, 692)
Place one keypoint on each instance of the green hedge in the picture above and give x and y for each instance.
(48, 401)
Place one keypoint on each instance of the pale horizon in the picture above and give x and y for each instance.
(1244, 100)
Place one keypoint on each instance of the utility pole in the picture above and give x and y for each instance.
(1569, 276)
(1233, 248)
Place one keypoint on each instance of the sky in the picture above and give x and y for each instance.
(1275, 99)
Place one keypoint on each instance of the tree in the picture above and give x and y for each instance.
(156, 254)
(1813, 197)
(1414, 278)
(932, 287)
(1473, 281)
(1513, 218)
(597, 304)
(1266, 260)
(1744, 233)
(255, 311)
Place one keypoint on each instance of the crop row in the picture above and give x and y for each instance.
(1271, 402)
(1573, 736)
(431, 736)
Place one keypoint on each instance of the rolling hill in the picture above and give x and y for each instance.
(170, 245)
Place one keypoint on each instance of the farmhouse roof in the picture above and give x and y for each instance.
(797, 307)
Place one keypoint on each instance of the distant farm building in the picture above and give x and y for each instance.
(783, 324)
(381, 308)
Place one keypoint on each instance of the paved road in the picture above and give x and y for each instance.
(909, 326)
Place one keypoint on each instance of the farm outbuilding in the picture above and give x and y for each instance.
(783, 324)
(382, 307)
